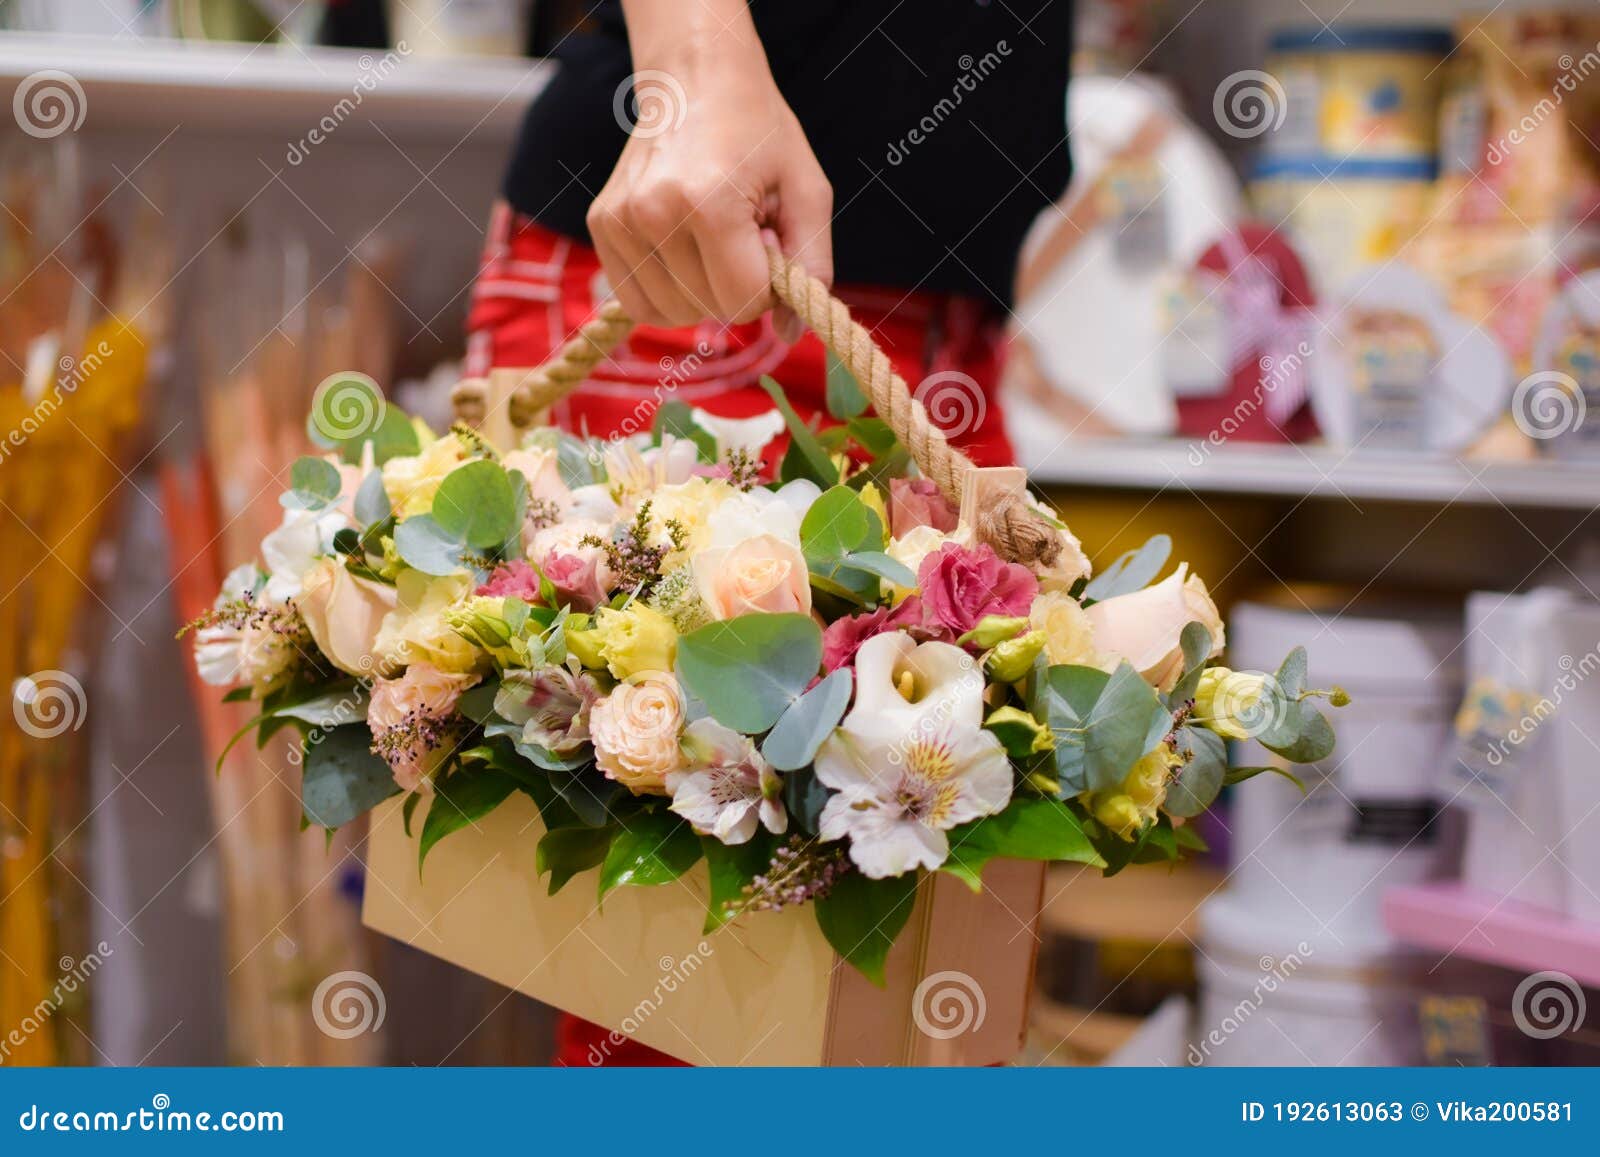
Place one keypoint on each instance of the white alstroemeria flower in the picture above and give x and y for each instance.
(728, 789)
(895, 800)
(912, 759)
(290, 551)
(748, 434)
(634, 467)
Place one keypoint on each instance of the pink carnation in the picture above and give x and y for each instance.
(515, 579)
(915, 502)
(843, 638)
(576, 579)
(962, 585)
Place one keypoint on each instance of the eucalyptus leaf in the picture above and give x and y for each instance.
(1314, 742)
(343, 779)
(1102, 724)
(804, 797)
(425, 546)
(1201, 777)
(372, 500)
(1195, 642)
(476, 504)
(1131, 572)
(1241, 774)
(793, 741)
(314, 483)
(749, 670)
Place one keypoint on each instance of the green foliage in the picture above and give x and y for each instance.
(861, 918)
(313, 483)
(794, 739)
(748, 671)
(650, 848)
(1028, 829)
(1201, 777)
(846, 399)
(461, 798)
(343, 779)
(806, 457)
(1102, 724)
(1131, 572)
(732, 867)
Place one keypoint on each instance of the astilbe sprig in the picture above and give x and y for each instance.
(632, 557)
(800, 870)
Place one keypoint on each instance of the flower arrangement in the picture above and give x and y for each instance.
(821, 683)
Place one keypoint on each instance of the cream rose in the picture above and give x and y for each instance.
(1067, 630)
(763, 574)
(1144, 627)
(423, 689)
(344, 614)
(915, 545)
(411, 480)
(635, 730)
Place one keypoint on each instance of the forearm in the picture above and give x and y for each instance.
(674, 36)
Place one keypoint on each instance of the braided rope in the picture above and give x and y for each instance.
(1009, 524)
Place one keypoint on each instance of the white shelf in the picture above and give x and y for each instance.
(159, 83)
(1178, 466)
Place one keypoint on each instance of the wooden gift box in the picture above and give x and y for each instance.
(764, 990)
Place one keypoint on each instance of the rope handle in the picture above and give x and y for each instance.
(1006, 521)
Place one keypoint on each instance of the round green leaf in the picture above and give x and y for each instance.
(477, 504)
(748, 671)
(794, 739)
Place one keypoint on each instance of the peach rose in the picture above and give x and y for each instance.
(1144, 627)
(762, 574)
(343, 613)
(635, 731)
(424, 689)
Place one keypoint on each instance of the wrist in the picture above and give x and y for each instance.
(696, 44)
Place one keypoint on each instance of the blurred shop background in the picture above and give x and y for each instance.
(1324, 296)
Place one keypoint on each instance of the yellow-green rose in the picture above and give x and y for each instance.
(1234, 704)
(636, 640)
(417, 630)
(412, 480)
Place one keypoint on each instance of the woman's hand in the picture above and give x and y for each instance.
(716, 169)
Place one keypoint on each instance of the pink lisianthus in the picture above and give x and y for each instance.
(962, 585)
(514, 579)
(843, 637)
(576, 579)
(915, 502)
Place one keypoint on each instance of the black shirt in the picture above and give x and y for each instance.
(940, 123)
